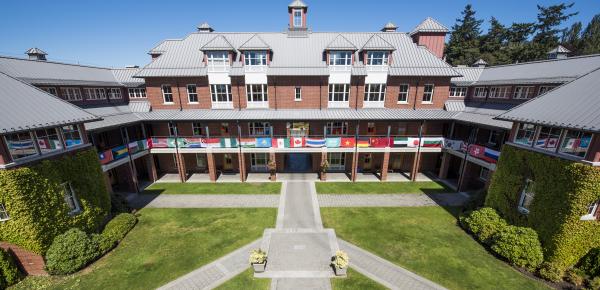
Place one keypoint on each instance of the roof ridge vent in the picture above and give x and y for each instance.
(35, 53)
(389, 27)
(205, 27)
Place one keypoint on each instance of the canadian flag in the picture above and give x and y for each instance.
(296, 142)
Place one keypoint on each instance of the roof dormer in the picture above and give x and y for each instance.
(297, 11)
(377, 51)
(431, 34)
(256, 52)
(218, 53)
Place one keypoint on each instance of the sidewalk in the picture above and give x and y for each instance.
(391, 200)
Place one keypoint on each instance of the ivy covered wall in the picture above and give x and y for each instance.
(563, 190)
(34, 199)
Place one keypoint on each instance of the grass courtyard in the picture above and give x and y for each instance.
(214, 188)
(381, 187)
(428, 242)
(164, 245)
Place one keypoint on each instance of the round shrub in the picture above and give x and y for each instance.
(118, 227)
(575, 276)
(519, 245)
(9, 273)
(594, 283)
(551, 272)
(70, 252)
(484, 223)
(104, 244)
(590, 263)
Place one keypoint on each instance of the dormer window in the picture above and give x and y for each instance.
(255, 58)
(217, 58)
(340, 58)
(377, 58)
(297, 17)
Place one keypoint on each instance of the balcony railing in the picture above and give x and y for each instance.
(258, 105)
(340, 68)
(377, 68)
(122, 151)
(255, 68)
(338, 104)
(222, 105)
(478, 151)
(373, 104)
(218, 68)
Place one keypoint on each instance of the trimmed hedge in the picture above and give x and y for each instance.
(590, 263)
(9, 273)
(33, 197)
(563, 191)
(115, 231)
(519, 245)
(70, 252)
(483, 223)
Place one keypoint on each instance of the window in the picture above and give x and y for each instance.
(72, 135)
(371, 128)
(494, 138)
(259, 128)
(20, 145)
(526, 196)
(403, 93)
(484, 174)
(255, 57)
(3, 213)
(593, 212)
(220, 93)
(545, 89)
(576, 143)
(523, 92)
(336, 128)
(192, 94)
(340, 58)
(172, 129)
(499, 92)
(259, 161)
(224, 129)
(257, 93)
(71, 199)
(50, 90)
(298, 94)
(375, 92)
(336, 160)
(196, 129)
(217, 58)
(167, 94)
(48, 140)
(114, 93)
(297, 18)
(548, 138)
(135, 93)
(479, 92)
(71, 94)
(458, 92)
(428, 93)
(94, 93)
(200, 160)
(377, 58)
(339, 92)
(525, 134)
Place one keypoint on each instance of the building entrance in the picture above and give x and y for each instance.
(298, 162)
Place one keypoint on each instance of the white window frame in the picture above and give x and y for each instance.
(137, 93)
(551, 134)
(297, 17)
(167, 92)
(31, 139)
(217, 58)
(566, 139)
(339, 93)
(255, 58)
(47, 134)
(66, 134)
(484, 174)
(458, 92)
(378, 58)
(479, 92)
(114, 93)
(257, 93)
(499, 92)
(591, 214)
(4, 216)
(336, 160)
(522, 127)
(298, 94)
(428, 95)
(545, 89)
(375, 93)
(341, 127)
(527, 194)
(523, 92)
(340, 58)
(217, 97)
(71, 198)
(172, 129)
(259, 129)
(259, 161)
(50, 90)
(192, 92)
(95, 93)
(403, 94)
(71, 94)
(196, 126)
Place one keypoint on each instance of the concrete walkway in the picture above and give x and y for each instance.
(203, 200)
(391, 200)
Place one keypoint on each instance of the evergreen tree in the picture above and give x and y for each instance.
(519, 48)
(571, 38)
(463, 47)
(549, 19)
(591, 37)
(493, 44)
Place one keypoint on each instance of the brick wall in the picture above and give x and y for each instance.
(85, 102)
(31, 263)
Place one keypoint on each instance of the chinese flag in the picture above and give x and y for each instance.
(348, 142)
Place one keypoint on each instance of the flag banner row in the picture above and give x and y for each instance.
(477, 151)
(119, 152)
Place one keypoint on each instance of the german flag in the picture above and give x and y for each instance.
(362, 142)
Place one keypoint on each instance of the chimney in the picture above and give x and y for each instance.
(431, 34)
(297, 11)
(560, 52)
(480, 63)
(389, 27)
(205, 27)
(36, 54)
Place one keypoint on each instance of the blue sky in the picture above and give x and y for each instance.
(118, 33)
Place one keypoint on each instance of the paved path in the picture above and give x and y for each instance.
(203, 200)
(391, 200)
(384, 272)
(211, 275)
(300, 208)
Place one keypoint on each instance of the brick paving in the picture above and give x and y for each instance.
(391, 200)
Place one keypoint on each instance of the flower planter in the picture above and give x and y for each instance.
(273, 176)
(259, 268)
(340, 271)
(323, 176)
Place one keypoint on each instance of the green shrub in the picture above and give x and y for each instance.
(595, 283)
(104, 244)
(575, 276)
(70, 252)
(519, 245)
(9, 273)
(484, 223)
(118, 227)
(590, 263)
(551, 272)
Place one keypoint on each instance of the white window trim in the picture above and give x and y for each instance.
(330, 126)
(462, 92)
(162, 88)
(524, 92)
(335, 156)
(71, 94)
(589, 216)
(214, 97)
(502, 92)
(264, 126)
(345, 92)
(424, 92)
(379, 95)
(172, 129)
(3, 210)
(401, 92)
(548, 89)
(297, 92)
(385, 59)
(137, 93)
(49, 89)
(187, 88)
(254, 161)
(521, 208)
(294, 17)
(115, 93)
(217, 59)
(264, 94)
(95, 93)
(77, 208)
(261, 57)
(333, 57)
(479, 92)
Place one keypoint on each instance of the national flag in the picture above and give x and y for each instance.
(248, 142)
(171, 143)
(362, 142)
(552, 143)
(229, 142)
(379, 142)
(315, 142)
(348, 142)
(572, 143)
(400, 142)
(190, 142)
(432, 142)
(119, 152)
(453, 144)
(43, 144)
(20, 144)
(477, 151)
(142, 144)
(73, 142)
(333, 142)
(413, 142)
(212, 142)
(105, 157)
(296, 142)
(263, 142)
(585, 142)
(133, 147)
(491, 154)
(159, 143)
(280, 142)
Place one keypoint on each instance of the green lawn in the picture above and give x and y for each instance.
(381, 187)
(355, 281)
(215, 188)
(164, 245)
(427, 241)
(246, 281)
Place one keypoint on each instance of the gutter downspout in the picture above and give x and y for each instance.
(416, 93)
(179, 96)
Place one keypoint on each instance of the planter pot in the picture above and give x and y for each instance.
(323, 176)
(259, 268)
(273, 177)
(340, 271)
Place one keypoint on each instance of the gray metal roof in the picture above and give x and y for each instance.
(35, 50)
(469, 75)
(390, 25)
(297, 4)
(429, 25)
(219, 42)
(340, 43)
(294, 56)
(545, 71)
(112, 121)
(125, 77)
(255, 42)
(479, 113)
(559, 49)
(114, 116)
(377, 43)
(454, 105)
(480, 62)
(24, 107)
(575, 105)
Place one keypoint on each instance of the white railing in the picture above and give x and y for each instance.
(222, 105)
(258, 105)
(373, 104)
(377, 68)
(255, 68)
(219, 68)
(340, 68)
(338, 104)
